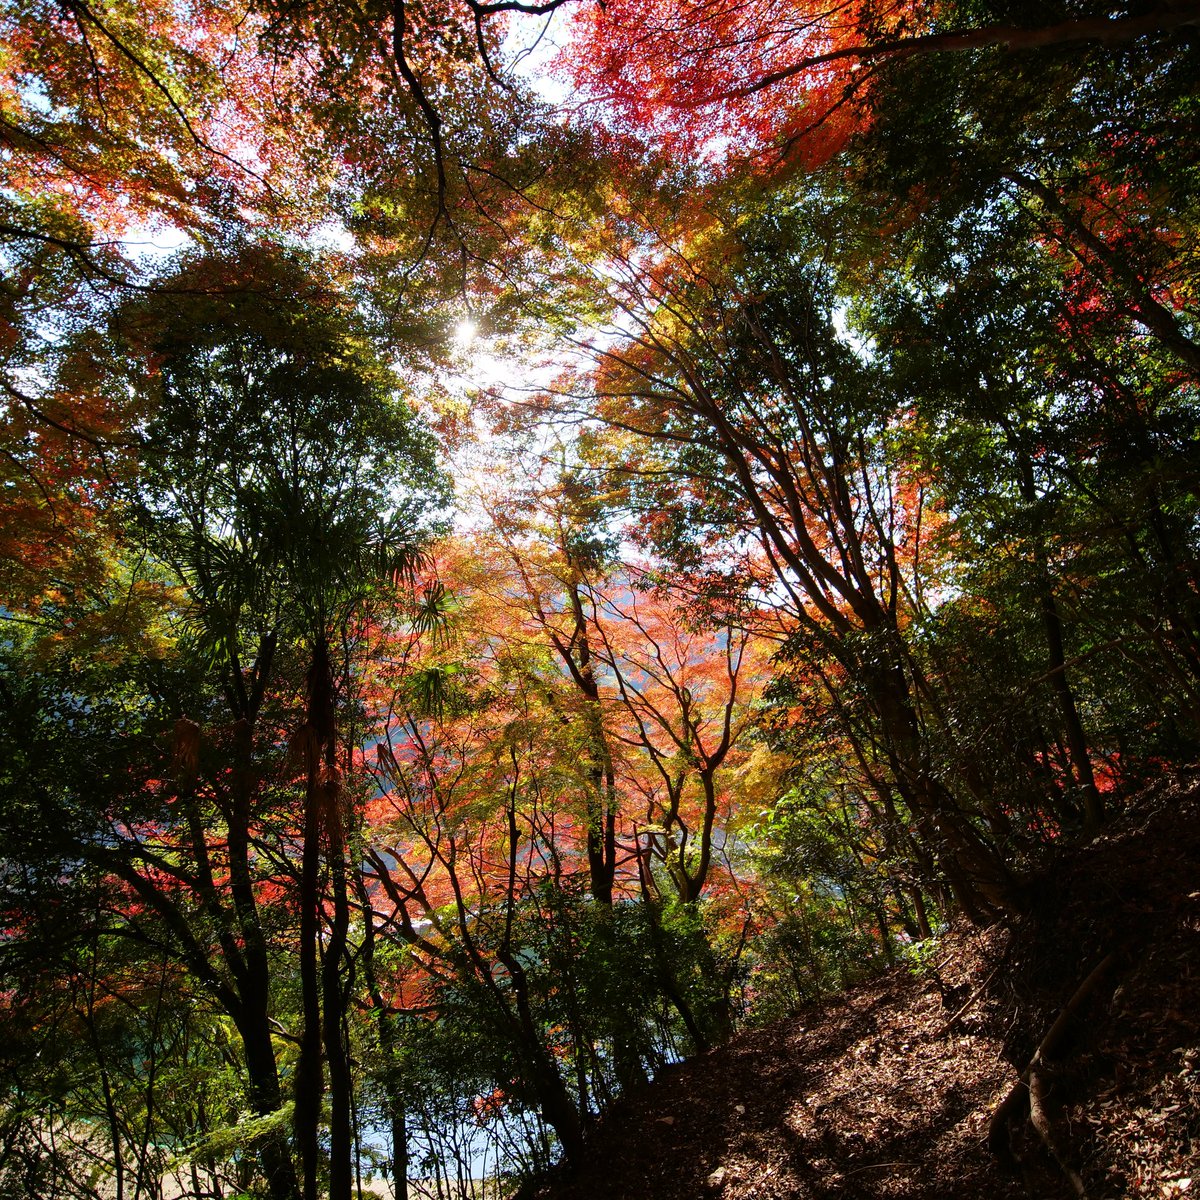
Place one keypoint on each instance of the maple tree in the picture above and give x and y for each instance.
(665, 700)
(762, 443)
(479, 845)
(770, 84)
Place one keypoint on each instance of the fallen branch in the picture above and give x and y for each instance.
(948, 1025)
(878, 1167)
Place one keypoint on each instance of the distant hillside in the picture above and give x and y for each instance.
(890, 1090)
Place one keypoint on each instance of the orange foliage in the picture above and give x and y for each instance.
(717, 79)
(128, 115)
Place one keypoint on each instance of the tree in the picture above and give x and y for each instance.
(765, 86)
(1034, 305)
(769, 435)
(295, 517)
(461, 837)
(268, 487)
(658, 691)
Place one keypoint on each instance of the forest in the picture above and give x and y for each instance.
(540, 536)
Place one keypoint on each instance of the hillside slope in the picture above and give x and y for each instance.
(884, 1092)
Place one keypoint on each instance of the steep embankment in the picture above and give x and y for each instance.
(890, 1090)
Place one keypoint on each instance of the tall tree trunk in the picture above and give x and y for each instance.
(555, 1101)
(602, 807)
(336, 983)
(1081, 763)
(316, 733)
(254, 980)
(393, 1100)
(264, 1095)
(978, 876)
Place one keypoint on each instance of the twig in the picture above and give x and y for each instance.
(877, 1167)
(948, 1025)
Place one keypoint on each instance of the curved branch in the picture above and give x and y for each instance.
(1104, 30)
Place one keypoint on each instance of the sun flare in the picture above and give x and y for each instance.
(465, 333)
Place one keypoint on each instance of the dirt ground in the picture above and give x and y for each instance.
(886, 1092)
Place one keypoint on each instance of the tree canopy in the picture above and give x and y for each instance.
(511, 574)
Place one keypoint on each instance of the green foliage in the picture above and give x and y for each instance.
(830, 882)
(283, 472)
(605, 989)
(920, 957)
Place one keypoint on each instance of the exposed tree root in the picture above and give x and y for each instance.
(1041, 1120)
(1031, 1087)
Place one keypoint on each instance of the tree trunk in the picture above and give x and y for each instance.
(602, 808)
(265, 1098)
(314, 736)
(393, 1101)
(978, 876)
(1081, 763)
(253, 1021)
(336, 981)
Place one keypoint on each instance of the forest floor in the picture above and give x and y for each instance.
(889, 1089)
